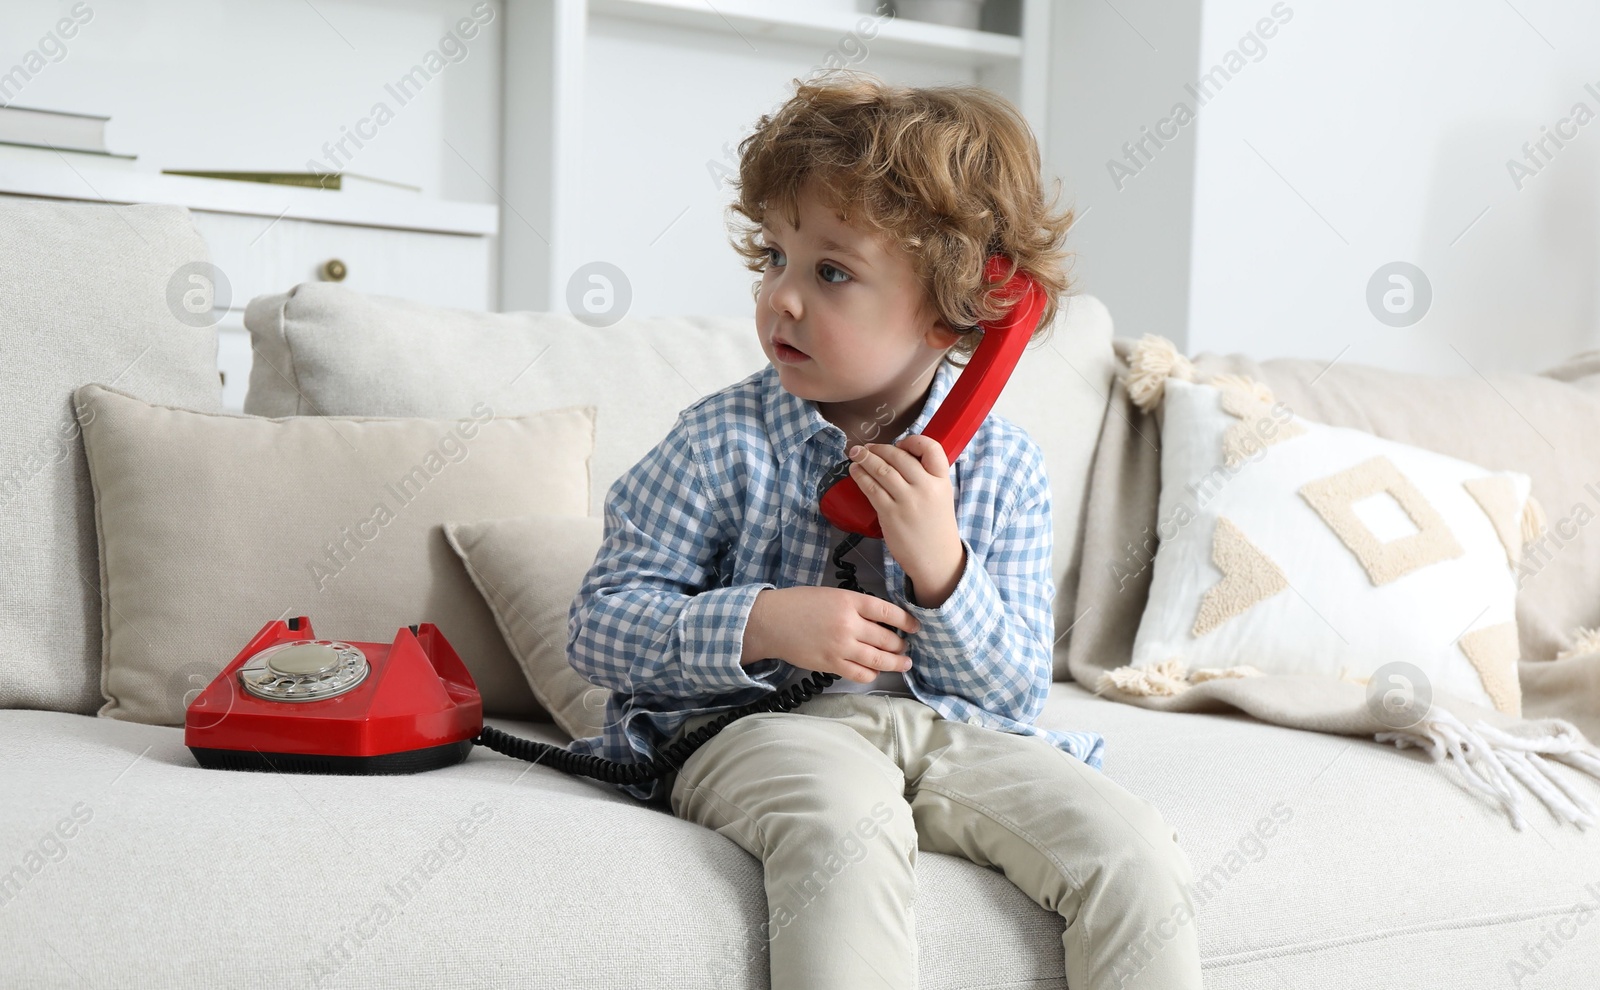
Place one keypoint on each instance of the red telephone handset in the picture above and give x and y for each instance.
(970, 399)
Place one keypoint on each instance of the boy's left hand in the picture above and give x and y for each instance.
(908, 483)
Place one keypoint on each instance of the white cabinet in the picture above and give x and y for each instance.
(264, 239)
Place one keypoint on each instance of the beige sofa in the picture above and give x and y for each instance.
(1321, 861)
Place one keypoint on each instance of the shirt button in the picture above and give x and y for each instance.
(974, 720)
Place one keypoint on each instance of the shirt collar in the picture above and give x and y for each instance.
(791, 420)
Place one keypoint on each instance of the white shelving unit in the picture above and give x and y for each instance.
(580, 72)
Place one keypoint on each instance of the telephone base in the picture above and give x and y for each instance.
(406, 761)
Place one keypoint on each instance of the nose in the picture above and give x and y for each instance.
(783, 299)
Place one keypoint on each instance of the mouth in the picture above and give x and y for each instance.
(787, 352)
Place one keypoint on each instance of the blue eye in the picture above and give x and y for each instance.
(770, 252)
(832, 269)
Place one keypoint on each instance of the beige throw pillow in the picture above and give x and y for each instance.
(1292, 547)
(529, 569)
(211, 525)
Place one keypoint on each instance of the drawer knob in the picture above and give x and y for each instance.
(333, 270)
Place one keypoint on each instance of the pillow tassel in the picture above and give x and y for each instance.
(1168, 677)
(1203, 674)
(1151, 362)
(1584, 640)
(1533, 520)
(1165, 678)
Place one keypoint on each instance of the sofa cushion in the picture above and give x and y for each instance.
(212, 525)
(87, 293)
(1321, 862)
(326, 349)
(529, 569)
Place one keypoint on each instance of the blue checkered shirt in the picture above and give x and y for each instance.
(727, 505)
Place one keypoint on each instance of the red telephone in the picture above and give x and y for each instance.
(296, 704)
(963, 410)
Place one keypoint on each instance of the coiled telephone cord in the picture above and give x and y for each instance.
(669, 758)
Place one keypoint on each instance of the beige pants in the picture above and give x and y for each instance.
(836, 797)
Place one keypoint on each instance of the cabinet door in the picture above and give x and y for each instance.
(260, 256)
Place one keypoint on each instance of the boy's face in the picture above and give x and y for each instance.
(870, 337)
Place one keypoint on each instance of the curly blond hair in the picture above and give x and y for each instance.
(949, 173)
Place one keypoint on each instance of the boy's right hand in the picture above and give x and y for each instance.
(834, 630)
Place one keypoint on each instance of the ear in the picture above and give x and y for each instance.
(941, 336)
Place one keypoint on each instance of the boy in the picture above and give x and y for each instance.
(871, 212)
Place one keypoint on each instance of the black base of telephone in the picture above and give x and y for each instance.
(408, 761)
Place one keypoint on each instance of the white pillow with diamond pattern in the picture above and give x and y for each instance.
(1299, 548)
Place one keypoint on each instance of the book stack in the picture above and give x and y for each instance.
(29, 134)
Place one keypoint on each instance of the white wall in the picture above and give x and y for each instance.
(1381, 132)
(260, 85)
